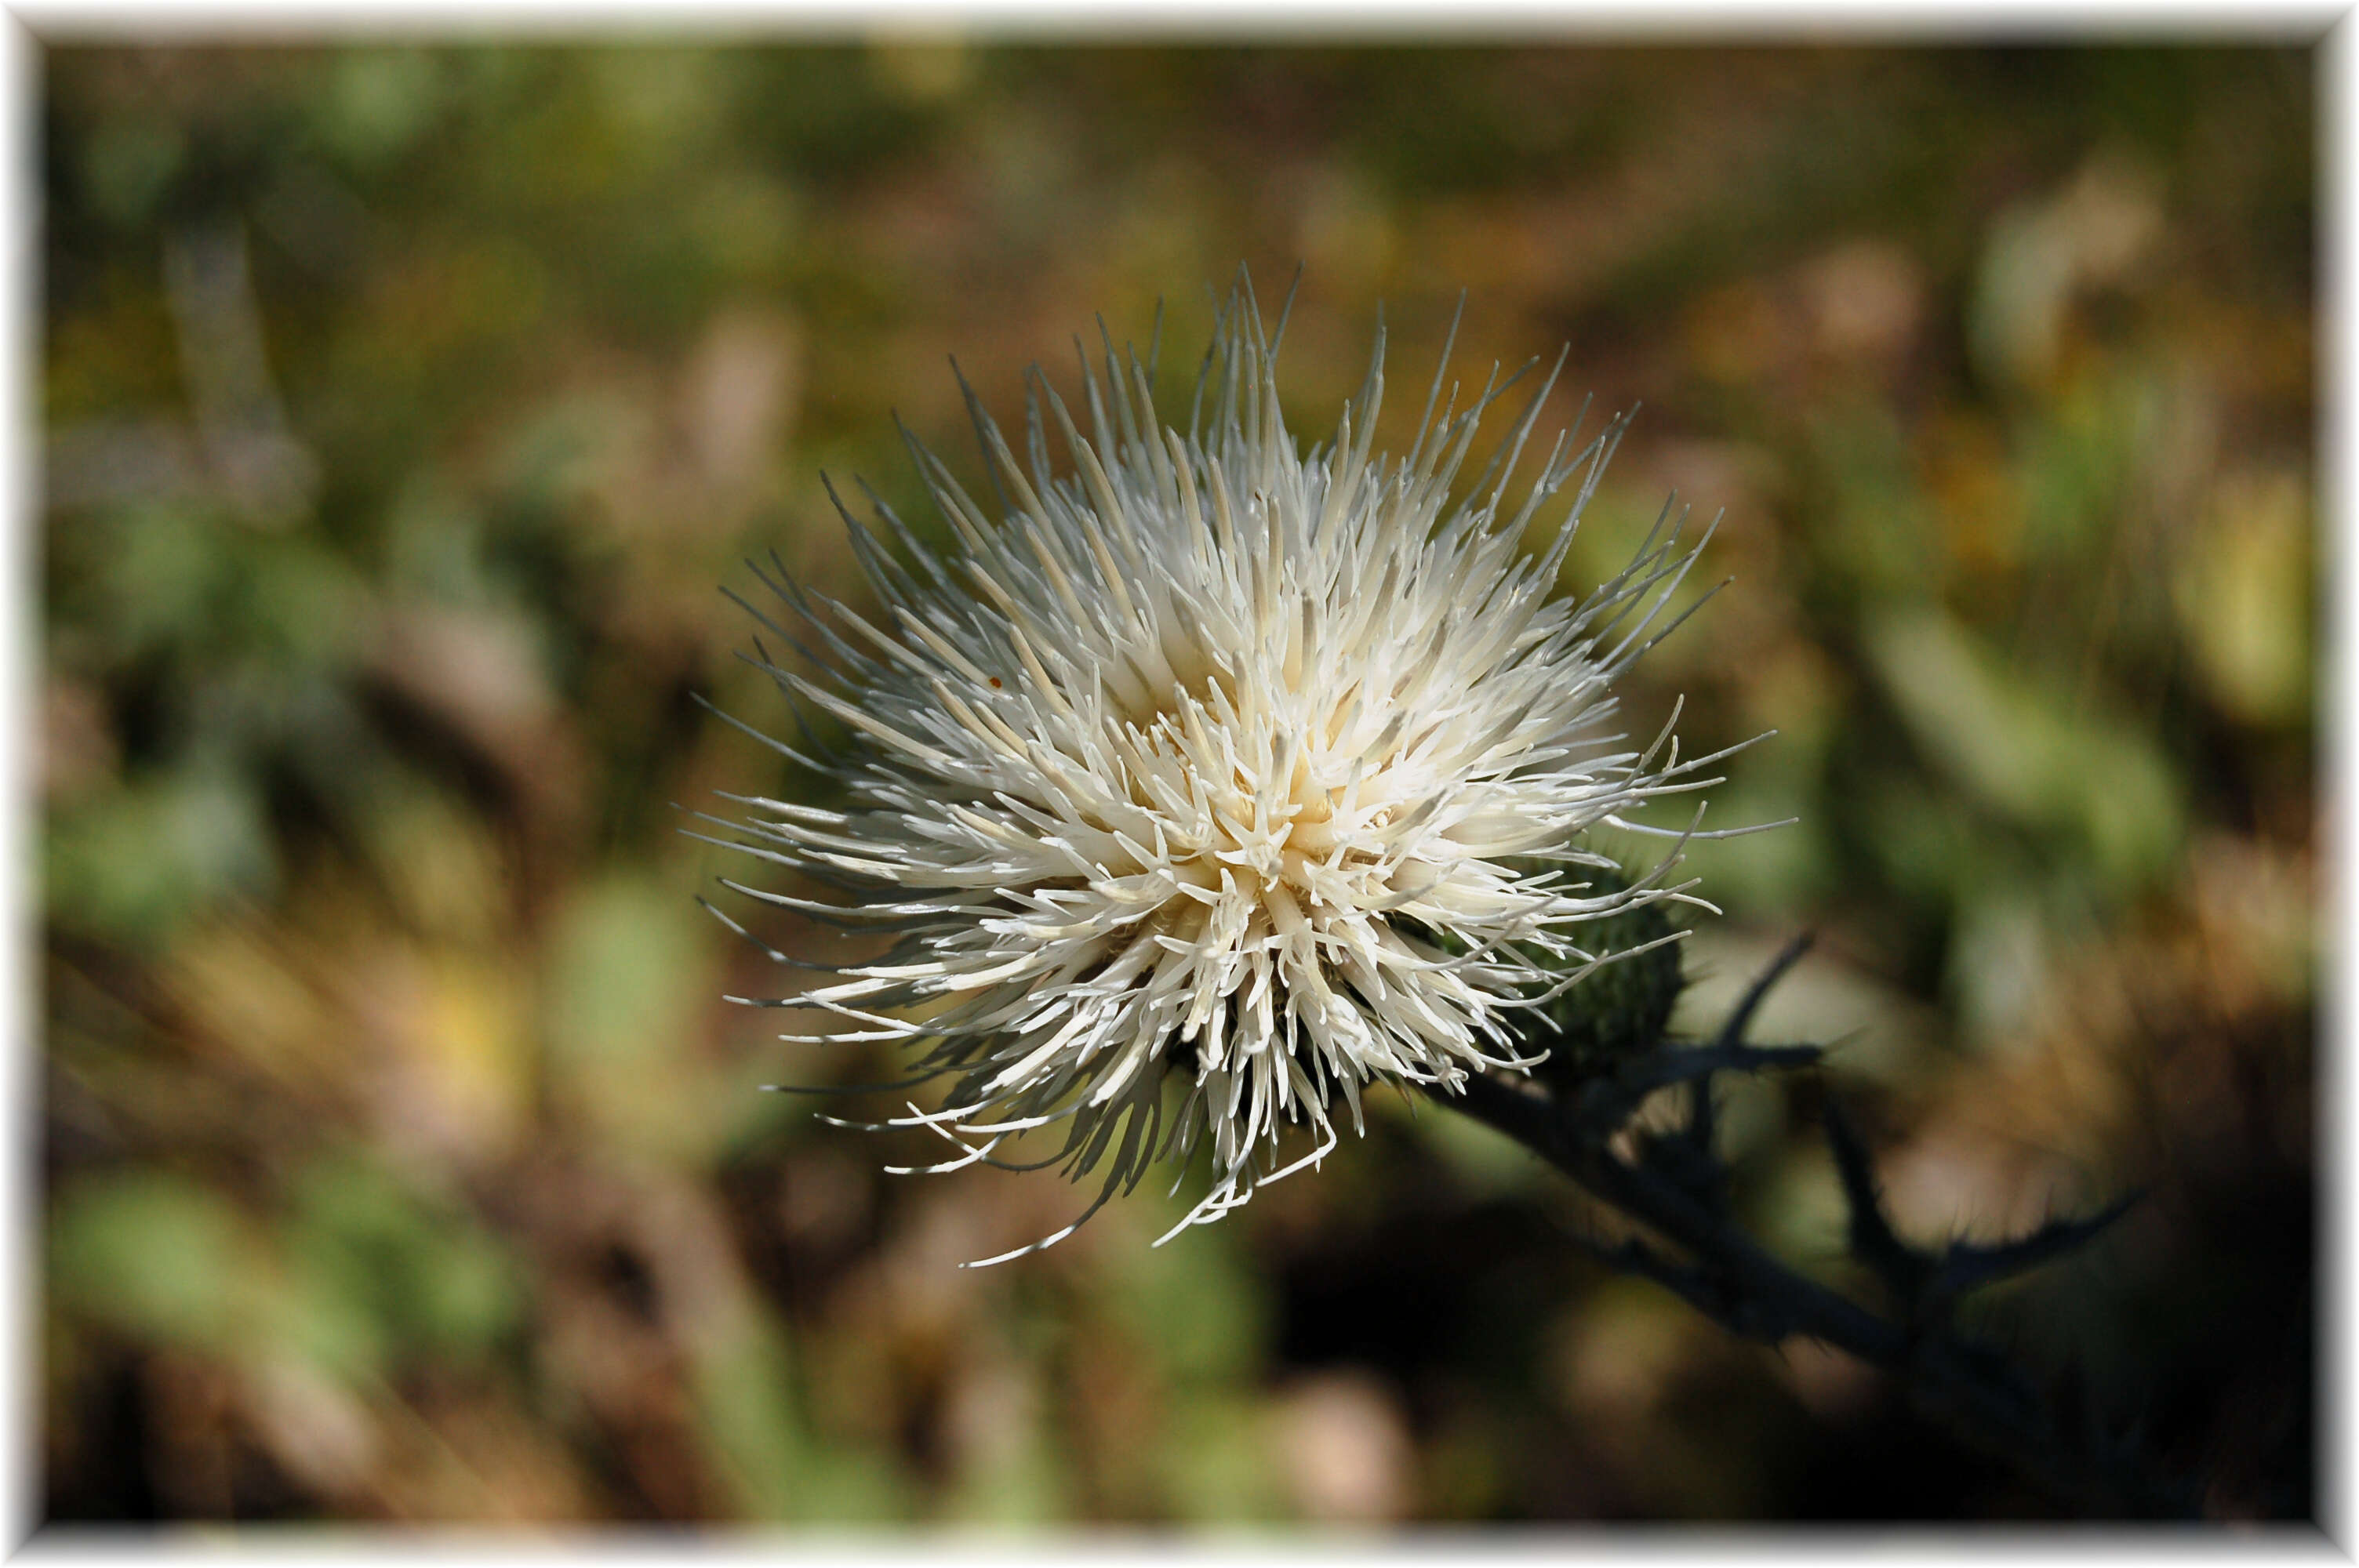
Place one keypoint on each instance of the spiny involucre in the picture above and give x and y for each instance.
(1216, 760)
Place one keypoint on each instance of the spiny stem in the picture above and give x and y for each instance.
(1734, 1280)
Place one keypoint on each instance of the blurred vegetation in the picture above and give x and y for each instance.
(404, 405)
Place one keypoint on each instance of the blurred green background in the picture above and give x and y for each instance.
(402, 408)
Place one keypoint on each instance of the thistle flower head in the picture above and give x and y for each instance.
(1210, 781)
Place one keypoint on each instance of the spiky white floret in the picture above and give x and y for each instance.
(1215, 761)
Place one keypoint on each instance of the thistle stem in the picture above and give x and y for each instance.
(1740, 1285)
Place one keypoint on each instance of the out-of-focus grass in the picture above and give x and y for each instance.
(404, 405)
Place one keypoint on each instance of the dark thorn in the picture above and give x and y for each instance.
(1965, 1267)
(1872, 1239)
(1732, 1031)
(1642, 1075)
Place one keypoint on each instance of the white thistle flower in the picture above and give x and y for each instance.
(1217, 760)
